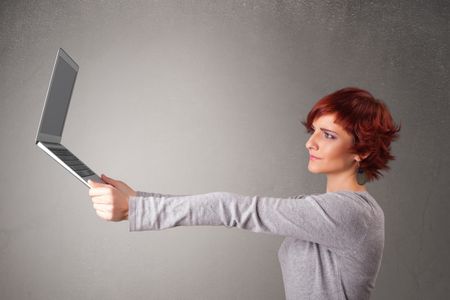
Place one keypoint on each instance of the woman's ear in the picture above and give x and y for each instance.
(365, 155)
(361, 157)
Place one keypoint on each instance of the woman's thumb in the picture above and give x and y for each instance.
(115, 183)
(107, 179)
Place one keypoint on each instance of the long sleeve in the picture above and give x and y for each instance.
(148, 194)
(331, 219)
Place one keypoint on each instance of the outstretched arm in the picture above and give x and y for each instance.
(335, 219)
(331, 219)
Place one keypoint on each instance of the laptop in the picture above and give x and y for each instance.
(54, 115)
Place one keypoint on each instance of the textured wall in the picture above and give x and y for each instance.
(200, 96)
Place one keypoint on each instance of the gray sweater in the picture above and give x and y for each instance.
(333, 242)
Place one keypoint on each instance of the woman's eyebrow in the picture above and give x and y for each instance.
(324, 129)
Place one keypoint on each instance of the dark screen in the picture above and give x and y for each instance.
(58, 98)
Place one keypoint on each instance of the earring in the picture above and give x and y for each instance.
(360, 176)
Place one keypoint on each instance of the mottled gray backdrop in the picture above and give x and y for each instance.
(187, 97)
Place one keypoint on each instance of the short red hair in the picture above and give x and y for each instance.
(367, 119)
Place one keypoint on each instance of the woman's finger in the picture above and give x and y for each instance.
(102, 199)
(100, 191)
(104, 215)
(103, 207)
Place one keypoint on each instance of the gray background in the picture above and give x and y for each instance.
(187, 97)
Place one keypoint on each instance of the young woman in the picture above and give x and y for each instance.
(334, 240)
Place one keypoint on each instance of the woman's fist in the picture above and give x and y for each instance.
(111, 199)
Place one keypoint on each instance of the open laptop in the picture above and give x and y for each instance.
(53, 117)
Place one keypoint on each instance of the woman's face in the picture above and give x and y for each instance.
(330, 143)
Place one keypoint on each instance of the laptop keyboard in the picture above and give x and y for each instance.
(71, 160)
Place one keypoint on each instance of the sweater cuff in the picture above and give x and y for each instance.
(141, 194)
(132, 215)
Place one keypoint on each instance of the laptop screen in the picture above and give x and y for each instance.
(58, 99)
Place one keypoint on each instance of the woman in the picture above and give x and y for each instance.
(334, 240)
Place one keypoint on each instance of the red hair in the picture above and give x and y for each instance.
(367, 119)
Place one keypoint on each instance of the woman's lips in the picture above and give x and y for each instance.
(312, 157)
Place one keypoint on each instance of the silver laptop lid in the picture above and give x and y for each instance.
(57, 101)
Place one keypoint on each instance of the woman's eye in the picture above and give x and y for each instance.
(330, 136)
(327, 135)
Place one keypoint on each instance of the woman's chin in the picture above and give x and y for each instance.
(313, 170)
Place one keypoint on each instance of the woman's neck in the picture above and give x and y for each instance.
(344, 183)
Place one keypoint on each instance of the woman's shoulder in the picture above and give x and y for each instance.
(362, 202)
(366, 203)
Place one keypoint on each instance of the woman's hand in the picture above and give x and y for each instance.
(111, 199)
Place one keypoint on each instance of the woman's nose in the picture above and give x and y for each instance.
(310, 143)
